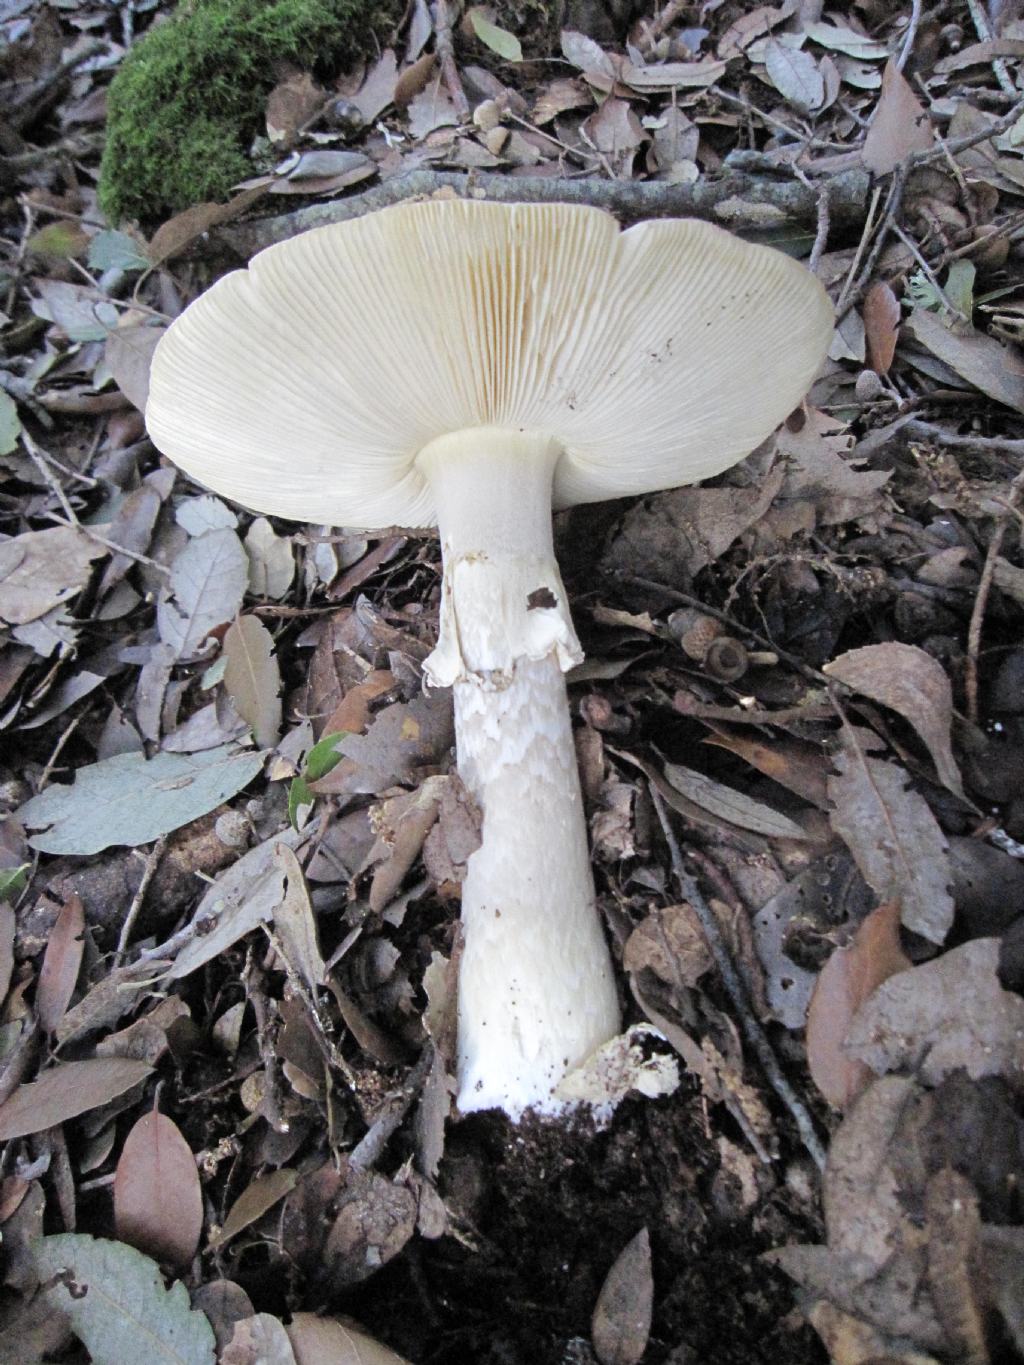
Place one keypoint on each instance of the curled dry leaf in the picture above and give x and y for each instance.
(258, 1340)
(61, 963)
(845, 982)
(893, 836)
(911, 682)
(621, 1323)
(158, 1202)
(948, 1014)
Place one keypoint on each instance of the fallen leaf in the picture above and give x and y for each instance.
(621, 1324)
(945, 1015)
(291, 104)
(900, 125)
(378, 89)
(252, 678)
(130, 799)
(329, 1341)
(254, 1201)
(271, 560)
(179, 232)
(375, 1219)
(795, 75)
(589, 57)
(239, 901)
(7, 928)
(845, 982)
(881, 312)
(753, 25)
(67, 1090)
(671, 75)
(61, 963)
(992, 368)
(295, 922)
(204, 591)
(838, 38)
(40, 570)
(10, 424)
(129, 357)
(909, 681)
(258, 1340)
(115, 1300)
(732, 805)
(671, 942)
(204, 513)
(893, 836)
(499, 40)
(158, 1202)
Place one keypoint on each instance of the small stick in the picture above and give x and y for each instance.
(368, 1149)
(821, 235)
(148, 873)
(908, 41)
(445, 50)
(736, 989)
(981, 25)
(981, 600)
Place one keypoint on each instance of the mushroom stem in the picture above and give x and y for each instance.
(536, 992)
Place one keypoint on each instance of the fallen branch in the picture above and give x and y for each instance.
(737, 201)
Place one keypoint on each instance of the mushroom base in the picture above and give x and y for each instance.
(536, 992)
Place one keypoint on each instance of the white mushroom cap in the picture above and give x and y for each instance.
(306, 385)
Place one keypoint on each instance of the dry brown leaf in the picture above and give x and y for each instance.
(557, 97)
(945, 1015)
(331, 1341)
(614, 129)
(402, 739)
(290, 104)
(845, 982)
(893, 836)
(800, 768)
(376, 1217)
(992, 368)
(40, 570)
(61, 963)
(158, 1202)
(178, 233)
(7, 928)
(900, 125)
(906, 679)
(621, 1323)
(819, 453)
(881, 311)
(252, 678)
(254, 1201)
(414, 79)
(67, 1090)
(353, 713)
(751, 26)
(671, 942)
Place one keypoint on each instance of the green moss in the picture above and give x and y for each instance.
(189, 97)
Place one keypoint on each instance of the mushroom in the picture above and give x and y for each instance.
(472, 365)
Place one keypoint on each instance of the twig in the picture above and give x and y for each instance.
(908, 41)
(981, 600)
(445, 50)
(38, 459)
(981, 26)
(270, 1105)
(736, 989)
(821, 235)
(51, 762)
(148, 873)
(738, 199)
(929, 273)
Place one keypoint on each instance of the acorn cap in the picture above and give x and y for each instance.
(306, 385)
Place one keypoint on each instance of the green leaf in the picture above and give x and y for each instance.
(13, 881)
(129, 799)
(959, 286)
(115, 1300)
(323, 756)
(10, 424)
(319, 761)
(116, 251)
(499, 40)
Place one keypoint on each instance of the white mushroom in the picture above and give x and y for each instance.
(471, 365)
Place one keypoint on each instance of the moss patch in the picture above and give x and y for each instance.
(190, 96)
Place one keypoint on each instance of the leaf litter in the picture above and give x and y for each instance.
(841, 752)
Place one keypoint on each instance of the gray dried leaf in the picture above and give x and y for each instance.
(67, 1090)
(621, 1323)
(204, 513)
(129, 356)
(295, 922)
(40, 570)
(271, 560)
(911, 682)
(259, 1340)
(328, 1341)
(795, 75)
(207, 582)
(732, 805)
(991, 367)
(893, 836)
(132, 800)
(900, 125)
(945, 1015)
